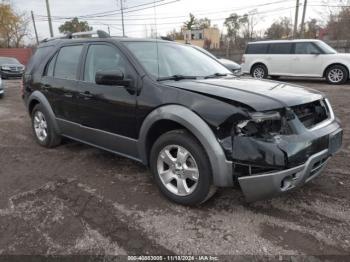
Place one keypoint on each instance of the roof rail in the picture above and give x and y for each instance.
(99, 33)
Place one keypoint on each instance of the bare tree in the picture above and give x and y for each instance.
(13, 26)
(281, 29)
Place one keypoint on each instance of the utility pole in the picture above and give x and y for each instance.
(302, 29)
(295, 31)
(122, 11)
(36, 33)
(49, 17)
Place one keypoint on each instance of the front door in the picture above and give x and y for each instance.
(108, 108)
(307, 60)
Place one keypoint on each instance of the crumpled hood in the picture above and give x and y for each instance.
(261, 95)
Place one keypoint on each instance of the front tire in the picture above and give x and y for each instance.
(259, 71)
(337, 75)
(181, 168)
(43, 128)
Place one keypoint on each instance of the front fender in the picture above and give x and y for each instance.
(221, 168)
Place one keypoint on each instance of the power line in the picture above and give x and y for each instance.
(111, 12)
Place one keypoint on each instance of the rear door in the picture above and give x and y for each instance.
(307, 60)
(60, 82)
(278, 60)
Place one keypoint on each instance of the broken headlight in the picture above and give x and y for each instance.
(260, 124)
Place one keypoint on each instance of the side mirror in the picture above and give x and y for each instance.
(111, 77)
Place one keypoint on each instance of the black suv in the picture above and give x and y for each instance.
(180, 112)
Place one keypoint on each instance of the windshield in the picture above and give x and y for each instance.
(8, 60)
(325, 48)
(174, 60)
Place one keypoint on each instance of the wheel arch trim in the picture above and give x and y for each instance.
(221, 167)
(40, 97)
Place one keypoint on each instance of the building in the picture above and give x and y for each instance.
(208, 38)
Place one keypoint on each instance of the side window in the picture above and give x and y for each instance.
(257, 49)
(67, 62)
(103, 58)
(306, 48)
(38, 57)
(51, 66)
(280, 48)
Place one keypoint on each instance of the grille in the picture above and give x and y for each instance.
(15, 68)
(311, 114)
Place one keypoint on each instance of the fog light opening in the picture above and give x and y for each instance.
(286, 183)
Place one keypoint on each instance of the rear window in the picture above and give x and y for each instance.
(257, 49)
(37, 58)
(280, 48)
(67, 62)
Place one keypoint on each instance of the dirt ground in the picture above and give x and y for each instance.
(76, 199)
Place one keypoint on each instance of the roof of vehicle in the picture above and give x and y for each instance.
(56, 41)
(284, 41)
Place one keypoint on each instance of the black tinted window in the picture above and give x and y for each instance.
(102, 58)
(306, 48)
(67, 63)
(256, 49)
(280, 48)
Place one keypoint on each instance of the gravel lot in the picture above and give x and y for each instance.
(76, 199)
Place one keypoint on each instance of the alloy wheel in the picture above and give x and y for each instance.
(336, 75)
(259, 73)
(178, 170)
(40, 126)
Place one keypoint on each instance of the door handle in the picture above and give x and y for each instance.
(69, 95)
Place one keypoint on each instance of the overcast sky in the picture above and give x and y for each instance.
(168, 16)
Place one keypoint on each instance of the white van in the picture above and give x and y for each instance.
(307, 58)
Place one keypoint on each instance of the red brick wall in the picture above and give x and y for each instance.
(22, 54)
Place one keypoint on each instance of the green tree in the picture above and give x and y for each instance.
(190, 24)
(74, 26)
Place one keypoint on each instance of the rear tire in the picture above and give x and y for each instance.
(259, 71)
(337, 75)
(181, 168)
(43, 128)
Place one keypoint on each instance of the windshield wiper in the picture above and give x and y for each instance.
(216, 75)
(176, 77)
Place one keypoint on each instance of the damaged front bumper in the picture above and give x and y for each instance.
(265, 167)
(269, 184)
